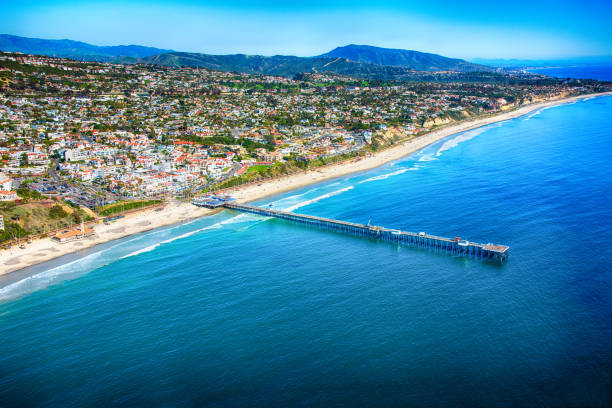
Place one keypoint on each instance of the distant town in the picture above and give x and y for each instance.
(79, 140)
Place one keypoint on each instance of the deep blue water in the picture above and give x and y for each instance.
(599, 72)
(236, 310)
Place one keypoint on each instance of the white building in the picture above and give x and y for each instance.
(72, 155)
(8, 195)
(5, 183)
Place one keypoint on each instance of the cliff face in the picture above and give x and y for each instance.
(539, 98)
(436, 122)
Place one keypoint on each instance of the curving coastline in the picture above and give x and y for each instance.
(44, 249)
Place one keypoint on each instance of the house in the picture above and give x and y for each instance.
(73, 234)
(86, 175)
(76, 155)
(5, 183)
(8, 195)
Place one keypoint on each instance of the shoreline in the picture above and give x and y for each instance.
(43, 250)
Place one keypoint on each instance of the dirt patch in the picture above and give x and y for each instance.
(40, 203)
(89, 212)
(66, 208)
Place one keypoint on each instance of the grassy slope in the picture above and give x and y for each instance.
(122, 206)
(37, 217)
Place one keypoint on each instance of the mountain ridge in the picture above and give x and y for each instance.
(416, 60)
(66, 48)
(359, 61)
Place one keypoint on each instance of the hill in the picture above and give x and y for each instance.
(415, 60)
(75, 49)
(289, 66)
(281, 65)
(359, 61)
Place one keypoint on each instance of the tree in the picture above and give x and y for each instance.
(57, 212)
(26, 194)
(23, 161)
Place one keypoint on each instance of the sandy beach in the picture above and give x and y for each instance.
(174, 212)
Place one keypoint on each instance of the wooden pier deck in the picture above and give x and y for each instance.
(421, 239)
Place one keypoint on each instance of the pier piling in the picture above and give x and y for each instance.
(455, 245)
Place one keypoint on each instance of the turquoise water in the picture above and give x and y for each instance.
(236, 310)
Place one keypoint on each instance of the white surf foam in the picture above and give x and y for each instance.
(84, 265)
(537, 112)
(167, 241)
(427, 157)
(141, 251)
(319, 198)
(44, 279)
(190, 233)
(415, 167)
(385, 176)
(464, 137)
(242, 218)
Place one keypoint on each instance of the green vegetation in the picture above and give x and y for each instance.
(76, 49)
(294, 66)
(122, 206)
(12, 230)
(37, 216)
(57, 212)
(258, 168)
(26, 194)
(291, 166)
(28, 69)
(228, 140)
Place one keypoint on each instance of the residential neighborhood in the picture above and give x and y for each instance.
(92, 134)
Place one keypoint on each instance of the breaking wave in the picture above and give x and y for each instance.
(385, 176)
(167, 241)
(81, 266)
(57, 274)
(536, 113)
(426, 158)
(319, 198)
(464, 137)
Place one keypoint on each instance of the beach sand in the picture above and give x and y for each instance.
(174, 212)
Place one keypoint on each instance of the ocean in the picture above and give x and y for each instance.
(599, 72)
(239, 310)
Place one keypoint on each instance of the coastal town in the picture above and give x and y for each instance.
(313, 204)
(89, 139)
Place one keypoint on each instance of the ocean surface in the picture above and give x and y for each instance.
(239, 310)
(599, 72)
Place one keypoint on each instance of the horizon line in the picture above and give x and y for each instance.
(169, 50)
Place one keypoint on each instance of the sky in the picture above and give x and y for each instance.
(463, 29)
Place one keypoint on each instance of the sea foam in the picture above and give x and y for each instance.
(319, 198)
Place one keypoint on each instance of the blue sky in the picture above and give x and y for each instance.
(464, 29)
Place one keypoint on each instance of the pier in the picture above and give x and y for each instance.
(421, 239)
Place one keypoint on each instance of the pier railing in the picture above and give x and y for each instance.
(455, 245)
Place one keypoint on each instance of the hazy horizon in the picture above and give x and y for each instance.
(588, 59)
(474, 29)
